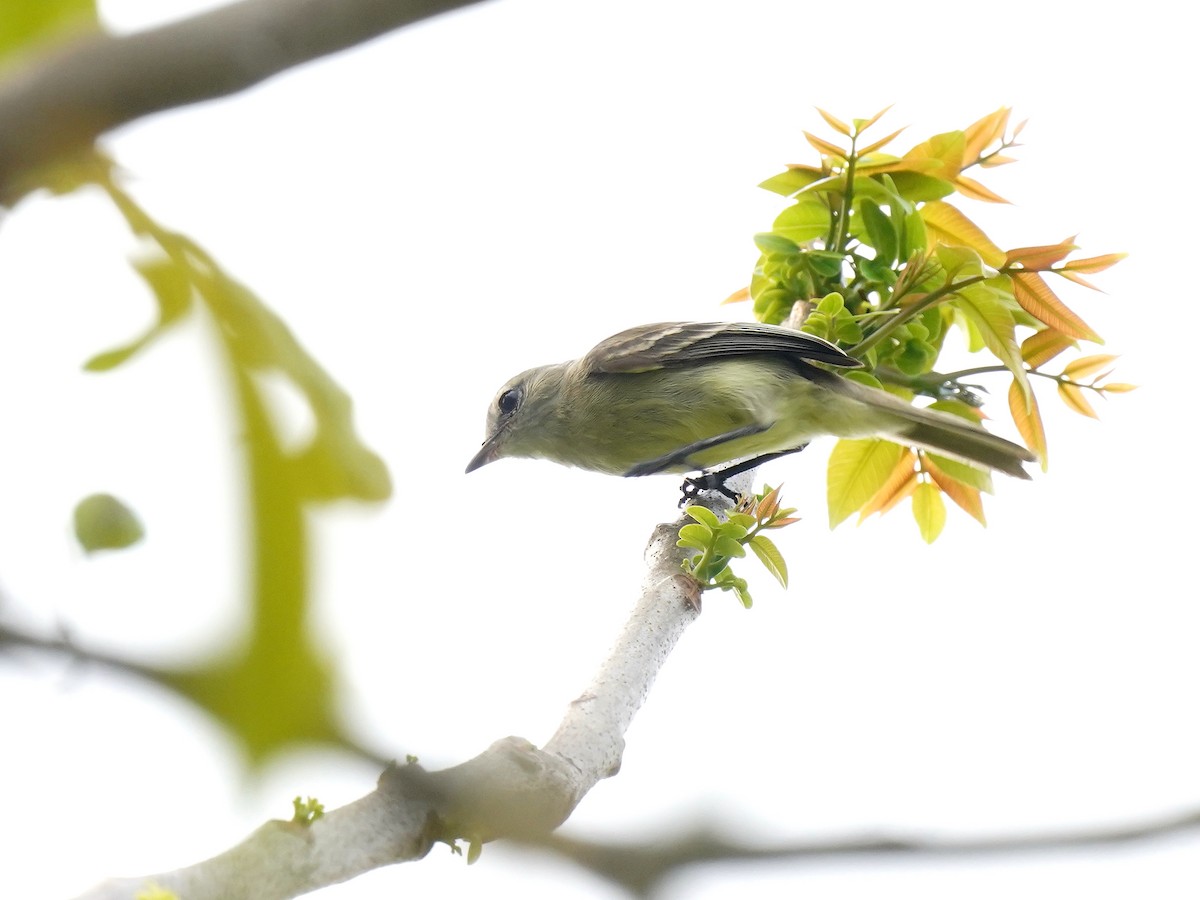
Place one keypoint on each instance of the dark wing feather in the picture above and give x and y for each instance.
(674, 344)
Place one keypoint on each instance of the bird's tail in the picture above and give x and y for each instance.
(942, 432)
(952, 436)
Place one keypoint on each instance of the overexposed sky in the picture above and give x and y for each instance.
(504, 187)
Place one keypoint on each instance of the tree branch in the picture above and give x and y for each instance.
(59, 103)
(512, 789)
(641, 868)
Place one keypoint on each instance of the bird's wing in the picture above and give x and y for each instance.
(674, 344)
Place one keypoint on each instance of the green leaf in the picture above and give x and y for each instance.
(773, 243)
(704, 516)
(831, 304)
(26, 24)
(994, 322)
(825, 263)
(791, 181)
(728, 546)
(916, 238)
(881, 231)
(929, 509)
(171, 285)
(803, 221)
(857, 469)
(102, 522)
(918, 188)
(694, 535)
(768, 554)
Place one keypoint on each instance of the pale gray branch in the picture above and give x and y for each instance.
(513, 789)
(58, 104)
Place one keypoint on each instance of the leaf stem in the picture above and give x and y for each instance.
(929, 300)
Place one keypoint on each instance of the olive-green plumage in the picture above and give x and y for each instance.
(688, 396)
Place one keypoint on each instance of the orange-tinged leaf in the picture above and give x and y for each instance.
(1043, 256)
(929, 509)
(1093, 264)
(823, 146)
(769, 504)
(903, 491)
(834, 122)
(1042, 346)
(1020, 126)
(1119, 387)
(786, 520)
(856, 470)
(1081, 368)
(969, 187)
(978, 135)
(738, 296)
(882, 142)
(1043, 304)
(1028, 419)
(1075, 277)
(898, 485)
(1072, 395)
(996, 159)
(969, 499)
(951, 227)
(863, 124)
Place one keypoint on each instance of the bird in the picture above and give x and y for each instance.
(685, 397)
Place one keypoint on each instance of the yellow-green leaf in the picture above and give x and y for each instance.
(834, 122)
(102, 522)
(1081, 368)
(1043, 304)
(995, 324)
(1028, 420)
(949, 226)
(764, 548)
(1072, 395)
(929, 510)
(881, 143)
(857, 469)
(971, 188)
(28, 24)
(862, 125)
(1119, 387)
(978, 135)
(824, 147)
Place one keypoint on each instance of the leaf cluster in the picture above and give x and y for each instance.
(871, 255)
(307, 811)
(720, 542)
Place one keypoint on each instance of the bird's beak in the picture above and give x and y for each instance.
(489, 452)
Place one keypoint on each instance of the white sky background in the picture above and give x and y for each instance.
(502, 188)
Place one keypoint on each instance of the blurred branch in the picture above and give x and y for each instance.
(642, 868)
(512, 790)
(59, 103)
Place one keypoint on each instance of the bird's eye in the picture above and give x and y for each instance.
(508, 402)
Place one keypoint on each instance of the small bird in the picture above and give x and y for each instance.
(693, 396)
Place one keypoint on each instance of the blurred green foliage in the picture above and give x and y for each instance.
(26, 25)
